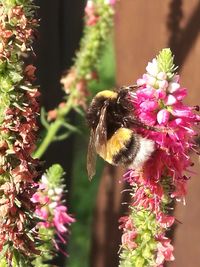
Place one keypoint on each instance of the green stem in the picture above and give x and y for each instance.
(51, 133)
(53, 129)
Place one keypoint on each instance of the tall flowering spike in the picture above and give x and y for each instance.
(158, 102)
(18, 170)
(97, 31)
(52, 212)
(98, 25)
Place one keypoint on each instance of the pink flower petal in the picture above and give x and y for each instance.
(173, 87)
(163, 116)
(160, 94)
(140, 82)
(170, 100)
(152, 67)
(180, 94)
(163, 84)
(149, 105)
(162, 76)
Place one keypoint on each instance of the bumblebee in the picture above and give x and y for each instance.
(111, 119)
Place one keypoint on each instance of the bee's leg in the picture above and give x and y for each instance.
(133, 121)
(128, 87)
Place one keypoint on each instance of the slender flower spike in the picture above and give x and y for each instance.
(19, 107)
(159, 103)
(98, 25)
(54, 215)
(97, 30)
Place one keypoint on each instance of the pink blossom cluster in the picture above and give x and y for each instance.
(158, 102)
(51, 209)
(19, 109)
(148, 195)
(91, 11)
(110, 2)
(22, 32)
(91, 15)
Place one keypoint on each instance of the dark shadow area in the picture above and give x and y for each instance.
(174, 23)
(106, 250)
(182, 40)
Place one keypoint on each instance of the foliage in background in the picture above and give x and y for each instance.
(98, 27)
(18, 111)
(158, 102)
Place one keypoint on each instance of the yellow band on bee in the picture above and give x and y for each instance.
(115, 144)
(107, 94)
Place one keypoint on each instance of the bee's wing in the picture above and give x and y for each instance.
(91, 156)
(101, 130)
(97, 142)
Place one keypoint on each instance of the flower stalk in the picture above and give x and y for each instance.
(158, 102)
(18, 126)
(98, 27)
(53, 214)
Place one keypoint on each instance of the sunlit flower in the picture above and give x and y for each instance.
(159, 102)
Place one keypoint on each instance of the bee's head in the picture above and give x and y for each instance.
(123, 99)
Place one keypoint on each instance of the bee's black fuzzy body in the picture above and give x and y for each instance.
(111, 119)
(118, 110)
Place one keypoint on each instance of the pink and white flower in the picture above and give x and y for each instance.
(158, 102)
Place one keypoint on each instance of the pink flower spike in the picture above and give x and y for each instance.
(163, 116)
(170, 100)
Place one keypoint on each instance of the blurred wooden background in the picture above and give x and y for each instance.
(142, 29)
